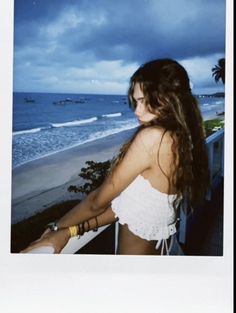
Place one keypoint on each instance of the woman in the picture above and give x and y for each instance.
(165, 160)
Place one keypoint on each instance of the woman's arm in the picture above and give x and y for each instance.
(137, 159)
(82, 211)
(60, 238)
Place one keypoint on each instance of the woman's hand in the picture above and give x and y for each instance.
(55, 239)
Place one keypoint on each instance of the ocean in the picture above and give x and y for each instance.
(46, 123)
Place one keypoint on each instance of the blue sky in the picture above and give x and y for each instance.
(94, 46)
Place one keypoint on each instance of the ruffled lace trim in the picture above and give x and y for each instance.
(157, 232)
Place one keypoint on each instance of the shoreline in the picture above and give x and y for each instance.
(74, 146)
(43, 182)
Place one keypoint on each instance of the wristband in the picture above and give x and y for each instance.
(53, 226)
(73, 231)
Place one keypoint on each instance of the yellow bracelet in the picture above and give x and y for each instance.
(73, 231)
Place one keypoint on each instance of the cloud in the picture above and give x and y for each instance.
(199, 70)
(152, 29)
(109, 77)
(82, 35)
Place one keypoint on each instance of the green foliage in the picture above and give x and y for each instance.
(212, 126)
(95, 173)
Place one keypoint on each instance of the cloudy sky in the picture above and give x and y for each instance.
(94, 46)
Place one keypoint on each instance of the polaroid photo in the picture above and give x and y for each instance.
(66, 112)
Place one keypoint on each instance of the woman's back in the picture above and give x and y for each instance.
(161, 159)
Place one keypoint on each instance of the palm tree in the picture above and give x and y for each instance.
(218, 71)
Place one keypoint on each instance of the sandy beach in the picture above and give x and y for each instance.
(41, 183)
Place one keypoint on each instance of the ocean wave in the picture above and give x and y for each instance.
(103, 134)
(112, 115)
(93, 137)
(27, 131)
(212, 107)
(75, 123)
(219, 102)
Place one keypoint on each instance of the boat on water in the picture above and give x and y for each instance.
(68, 100)
(29, 100)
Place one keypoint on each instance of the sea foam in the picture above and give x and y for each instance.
(112, 115)
(75, 123)
(27, 131)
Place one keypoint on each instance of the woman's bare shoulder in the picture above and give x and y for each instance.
(153, 136)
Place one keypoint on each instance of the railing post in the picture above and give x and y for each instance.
(210, 160)
(183, 221)
(222, 157)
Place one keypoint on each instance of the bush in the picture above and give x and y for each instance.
(212, 126)
(95, 173)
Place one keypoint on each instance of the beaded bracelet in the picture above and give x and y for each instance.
(96, 227)
(88, 225)
(81, 229)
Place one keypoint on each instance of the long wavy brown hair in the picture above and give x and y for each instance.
(167, 93)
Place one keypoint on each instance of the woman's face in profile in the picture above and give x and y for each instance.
(141, 111)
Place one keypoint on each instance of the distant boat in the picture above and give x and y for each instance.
(220, 113)
(29, 100)
(68, 100)
(62, 102)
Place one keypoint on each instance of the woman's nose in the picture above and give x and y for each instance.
(138, 109)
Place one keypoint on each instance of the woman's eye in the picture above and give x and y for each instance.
(141, 101)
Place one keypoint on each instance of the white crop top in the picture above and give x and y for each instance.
(148, 212)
